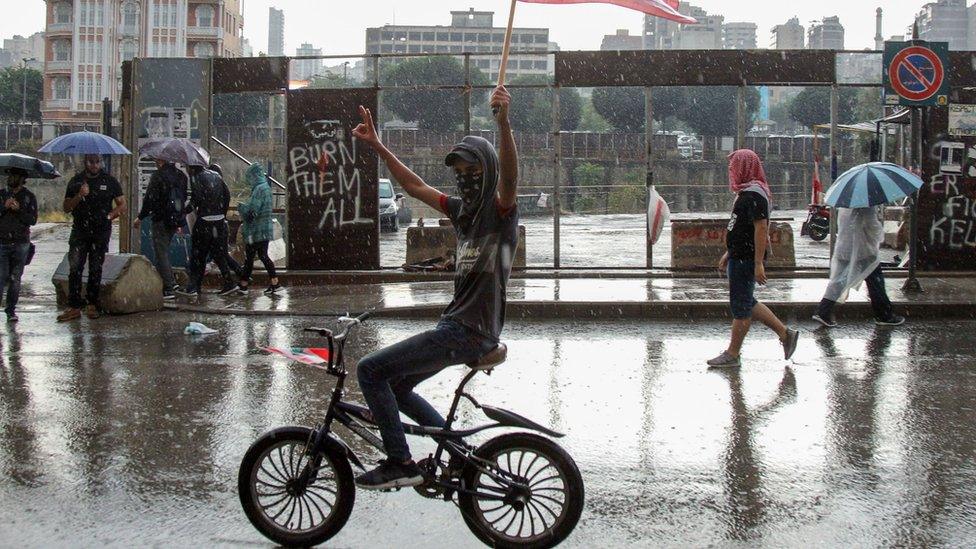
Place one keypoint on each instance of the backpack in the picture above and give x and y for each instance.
(173, 204)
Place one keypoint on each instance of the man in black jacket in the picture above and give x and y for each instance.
(90, 198)
(164, 202)
(210, 200)
(18, 215)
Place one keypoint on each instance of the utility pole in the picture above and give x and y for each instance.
(23, 108)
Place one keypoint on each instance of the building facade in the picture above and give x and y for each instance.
(305, 69)
(663, 34)
(944, 21)
(87, 41)
(788, 36)
(469, 32)
(621, 40)
(276, 32)
(828, 34)
(18, 48)
(739, 36)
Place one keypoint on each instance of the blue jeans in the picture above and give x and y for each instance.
(12, 258)
(387, 378)
(742, 286)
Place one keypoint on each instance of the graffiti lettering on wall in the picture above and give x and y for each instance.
(325, 168)
(955, 228)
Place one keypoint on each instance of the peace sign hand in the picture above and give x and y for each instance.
(366, 131)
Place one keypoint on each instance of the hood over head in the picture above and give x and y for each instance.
(255, 175)
(476, 193)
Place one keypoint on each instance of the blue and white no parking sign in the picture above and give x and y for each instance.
(916, 73)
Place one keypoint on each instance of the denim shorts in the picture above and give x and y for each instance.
(742, 284)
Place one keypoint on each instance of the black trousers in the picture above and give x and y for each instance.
(209, 241)
(259, 249)
(86, 247)
(880, 303)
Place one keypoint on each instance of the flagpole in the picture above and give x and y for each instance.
(507, 46)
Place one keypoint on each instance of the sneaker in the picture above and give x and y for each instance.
(177, 287)
(12, 317)
(242, 290)
(828, 321)
(725, 360)
(70, 313)
(169, 296)
(191, 292)
(229, 289)
(893, 320)
(789, 344)
(91, 312)
(273, 289)
(391, 475)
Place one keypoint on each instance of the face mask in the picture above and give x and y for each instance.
(470, 187)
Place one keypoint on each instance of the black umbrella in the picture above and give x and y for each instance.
(35, 167)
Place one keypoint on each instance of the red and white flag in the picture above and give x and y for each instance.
(668, 9)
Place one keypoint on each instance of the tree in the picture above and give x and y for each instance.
(812, 106)
(438, 110)
(623, 108)
(711, 111)
(590, 120)
(240, 109)
(532, 107)
(12, 93)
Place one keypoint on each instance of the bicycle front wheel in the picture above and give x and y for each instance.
(283, 506)
(539, 514)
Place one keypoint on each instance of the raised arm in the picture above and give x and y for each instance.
(507, 155)
(411, 183)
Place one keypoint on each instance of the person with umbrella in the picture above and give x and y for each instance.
(210, 201)
(19, 213)
(857, 195)
(94, 199)
(164, 203)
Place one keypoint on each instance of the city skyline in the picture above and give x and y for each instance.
(573, 27)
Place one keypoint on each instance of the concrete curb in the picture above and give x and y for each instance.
(609, 310)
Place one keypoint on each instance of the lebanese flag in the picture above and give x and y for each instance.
(817, 185)
(668, 9)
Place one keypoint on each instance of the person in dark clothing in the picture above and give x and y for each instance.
(485, 217)
(164, 202)
(18, 215)
(94, 198)
(210, 200)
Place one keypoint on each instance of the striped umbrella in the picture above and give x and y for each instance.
(872, 184)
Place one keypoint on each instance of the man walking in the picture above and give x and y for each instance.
(209, 201)
(90, 198)
(18, 215)
(164, 202)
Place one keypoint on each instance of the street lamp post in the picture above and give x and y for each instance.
(23, 111)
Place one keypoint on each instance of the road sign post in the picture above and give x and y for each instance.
(915, 73)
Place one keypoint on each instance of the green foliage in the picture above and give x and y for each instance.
(710, 111)
(12, 93)
(812, 106)
(585, 204)
(623, 108)
(438, 110)
(240, 109)
(532, 107)
(588, 175)
(591, 121)
(630, 199)
(329, 81)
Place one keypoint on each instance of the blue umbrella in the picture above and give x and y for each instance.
(84, 143)
(34, 167)
(872, 184)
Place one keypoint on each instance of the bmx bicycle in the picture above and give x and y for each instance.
(517, 489)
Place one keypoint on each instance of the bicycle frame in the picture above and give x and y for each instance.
(356, 419)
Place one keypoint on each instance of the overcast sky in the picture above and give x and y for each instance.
(338, 26)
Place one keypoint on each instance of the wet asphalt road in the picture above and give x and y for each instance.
(124, 432)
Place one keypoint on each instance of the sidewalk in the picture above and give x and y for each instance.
(591, 298)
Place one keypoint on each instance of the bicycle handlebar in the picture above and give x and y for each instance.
(353, 321)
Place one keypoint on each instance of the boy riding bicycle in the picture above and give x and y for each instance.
(485, 218)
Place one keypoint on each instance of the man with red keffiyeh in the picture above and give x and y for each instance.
(744, 261)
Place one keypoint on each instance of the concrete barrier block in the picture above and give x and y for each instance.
(895, 235)
(130, 284)
(698, 244)
(432, 241)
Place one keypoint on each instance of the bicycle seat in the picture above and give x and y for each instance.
(493, 358)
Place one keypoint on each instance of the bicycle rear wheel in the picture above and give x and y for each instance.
(276, 501)
(541, 515)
